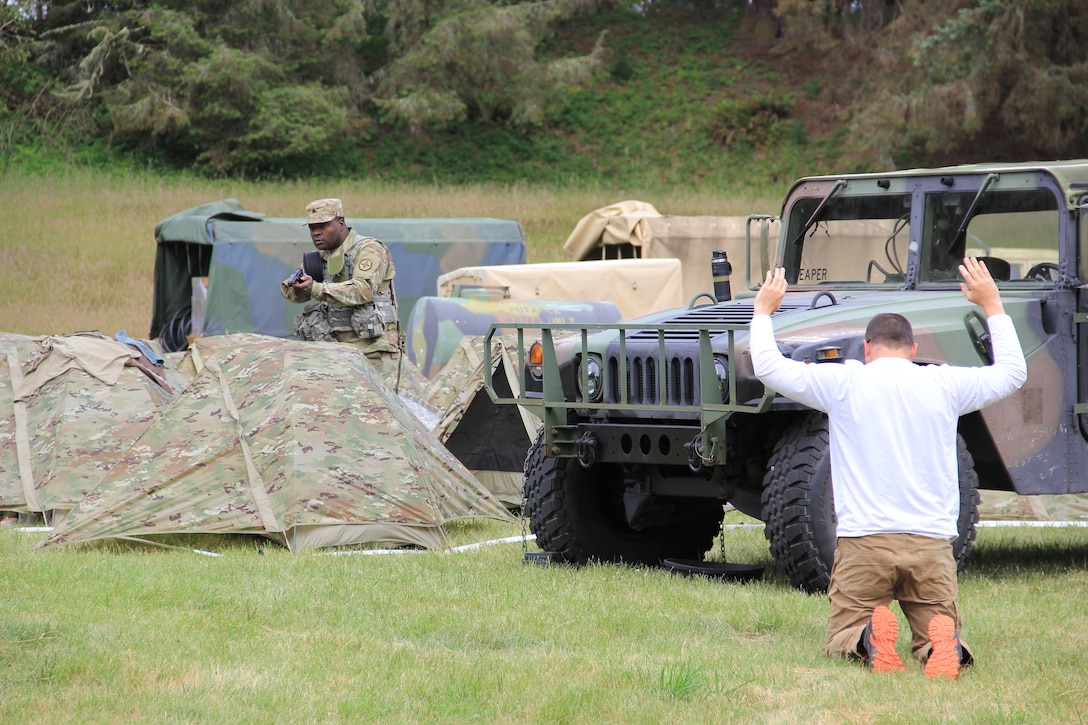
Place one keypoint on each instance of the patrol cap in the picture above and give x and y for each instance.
(324, 210)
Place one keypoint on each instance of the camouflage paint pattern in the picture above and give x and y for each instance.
(74, 426)
(299, 442)
(16, 469)
(457, 390)
(1008, 506)
(246, 255)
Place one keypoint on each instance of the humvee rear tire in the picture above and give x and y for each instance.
(577, 514)
(799, 506)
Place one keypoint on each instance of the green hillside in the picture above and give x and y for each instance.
(559, 92)
(685, 98)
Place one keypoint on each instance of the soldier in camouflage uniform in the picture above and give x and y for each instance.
(355, 303)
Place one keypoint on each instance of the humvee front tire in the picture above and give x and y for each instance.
(799, 506)
(577, 514)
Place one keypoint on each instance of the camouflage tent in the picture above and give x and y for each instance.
(491, 440)
(16, 471)
(300, 442)
(70, 405)
(244, 256)
(1009, 506)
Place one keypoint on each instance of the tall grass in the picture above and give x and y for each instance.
(77, 250)
(114, 633)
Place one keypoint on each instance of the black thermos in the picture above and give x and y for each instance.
(720, 269)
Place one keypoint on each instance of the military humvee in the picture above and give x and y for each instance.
(650, 426)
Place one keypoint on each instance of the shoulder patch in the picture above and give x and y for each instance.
(365, 265)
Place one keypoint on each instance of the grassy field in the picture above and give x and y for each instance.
(118, 634)
(77, 252)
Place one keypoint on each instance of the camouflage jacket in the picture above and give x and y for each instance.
(358, 276)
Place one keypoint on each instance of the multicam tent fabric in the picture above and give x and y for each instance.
(16, 471)
(300, 442)
(70, 404)
(491, 440)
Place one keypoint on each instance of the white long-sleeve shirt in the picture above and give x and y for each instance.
(893, 427)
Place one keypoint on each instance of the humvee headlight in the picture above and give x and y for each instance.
(593, 389)
(536, 360)
(830, 353)
(721, 370)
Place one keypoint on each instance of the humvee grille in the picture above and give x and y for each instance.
(682, 350)
(643, 384)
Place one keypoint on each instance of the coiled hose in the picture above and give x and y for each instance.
(174, 336)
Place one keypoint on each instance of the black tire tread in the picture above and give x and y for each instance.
(561, 502)
(790, 524)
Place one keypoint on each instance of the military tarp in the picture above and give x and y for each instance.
(636, 229)
(491, 440)
(245, 255)
(611, 232)
(635, 286)
(299, 442)
(1009, 506)
(71, 404)
(437, 324)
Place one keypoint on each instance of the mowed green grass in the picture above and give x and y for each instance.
(118, 632)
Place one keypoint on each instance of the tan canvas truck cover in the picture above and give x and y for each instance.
(609, 231)
(635, 229)
(692, 239)
(636, 286)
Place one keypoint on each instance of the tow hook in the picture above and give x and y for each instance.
(587, 449)
(695, 454)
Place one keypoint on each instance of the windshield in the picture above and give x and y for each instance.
(855, 240)
(1014, 232)
(865, 239)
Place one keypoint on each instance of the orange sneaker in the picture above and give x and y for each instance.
(946, 654)
(879, 641)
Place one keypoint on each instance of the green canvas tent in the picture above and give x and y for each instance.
(302, 443)
(245, 255)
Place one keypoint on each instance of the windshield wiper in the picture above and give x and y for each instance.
(818, 212)
(961, 233)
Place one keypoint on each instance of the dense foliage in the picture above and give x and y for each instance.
(978, 79)
(671, 90)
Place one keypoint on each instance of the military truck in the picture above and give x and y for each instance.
(652, 425)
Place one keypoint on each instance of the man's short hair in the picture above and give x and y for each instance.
(889, 330)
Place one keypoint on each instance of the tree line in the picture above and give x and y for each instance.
(275, 86)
